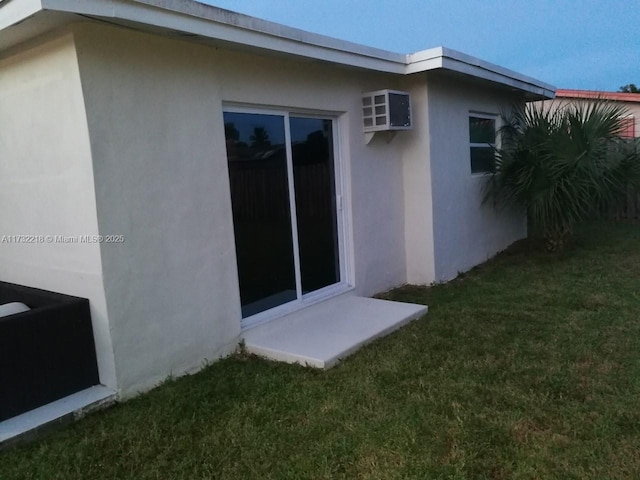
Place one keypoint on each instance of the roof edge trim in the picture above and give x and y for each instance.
(195, 18)
(17, 12)
(596, 94)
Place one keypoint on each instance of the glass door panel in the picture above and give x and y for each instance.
(315, 198)
(259, 180)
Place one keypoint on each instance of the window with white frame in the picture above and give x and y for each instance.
(628, 127)
(482, 142)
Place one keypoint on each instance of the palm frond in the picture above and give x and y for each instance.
(561, 164)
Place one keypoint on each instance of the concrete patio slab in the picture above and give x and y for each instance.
(323, 334)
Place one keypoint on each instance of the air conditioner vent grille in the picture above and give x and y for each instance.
(385, 110)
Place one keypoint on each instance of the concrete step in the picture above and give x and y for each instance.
(323, 334)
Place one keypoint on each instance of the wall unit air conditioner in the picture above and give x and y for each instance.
(386, 110)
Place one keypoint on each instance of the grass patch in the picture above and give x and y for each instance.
(525, 368)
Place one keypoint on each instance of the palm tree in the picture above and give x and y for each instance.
(561, 165)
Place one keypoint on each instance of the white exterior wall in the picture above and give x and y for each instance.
(46, 182)
(466, 231)
(418, 202)
(157, 138)
(153, 128)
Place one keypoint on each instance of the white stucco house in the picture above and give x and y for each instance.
(223, 163)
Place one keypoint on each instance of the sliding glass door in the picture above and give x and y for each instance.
(283, 195)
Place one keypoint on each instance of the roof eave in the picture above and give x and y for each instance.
(598, 95)
(221, 25)
(218, 25)
(452, 60)
(17, 12)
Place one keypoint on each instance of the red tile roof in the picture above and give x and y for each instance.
(615, 96)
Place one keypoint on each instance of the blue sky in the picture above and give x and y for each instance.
(584, 44)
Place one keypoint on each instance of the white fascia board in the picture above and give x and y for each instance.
(214, 23)
(424, 60)
(209, 22)
(448, 59)
(16, 11)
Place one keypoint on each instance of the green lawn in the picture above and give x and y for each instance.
(527, 367)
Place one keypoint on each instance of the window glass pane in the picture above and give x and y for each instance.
(314, 179)
(482, 130)
(482, 159)
(258, 178)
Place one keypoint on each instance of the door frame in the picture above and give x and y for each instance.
(345, 249)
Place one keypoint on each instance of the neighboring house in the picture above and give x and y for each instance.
(630, 101)
(223, 160)
(628, 208)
